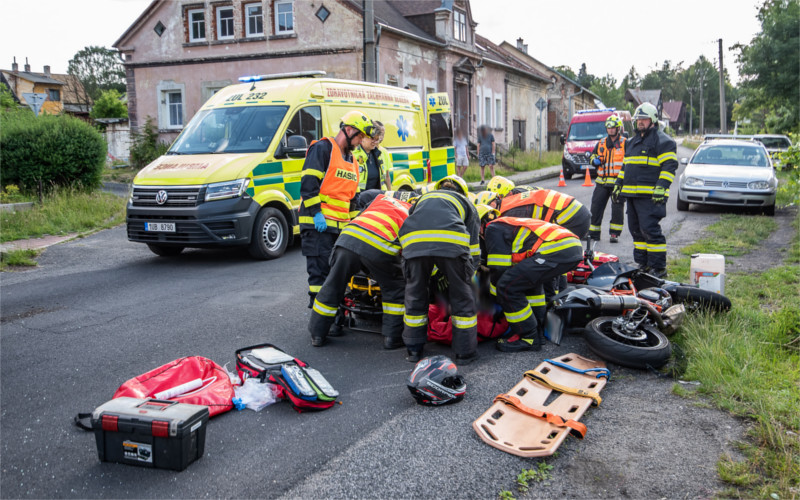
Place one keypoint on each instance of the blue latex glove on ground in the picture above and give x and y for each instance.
(596, 162)
(319, 222)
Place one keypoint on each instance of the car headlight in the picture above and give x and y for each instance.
(694, 182)
(568, 156)
(228, 189)
(758, 185)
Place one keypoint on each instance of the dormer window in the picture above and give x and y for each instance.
(459, 25)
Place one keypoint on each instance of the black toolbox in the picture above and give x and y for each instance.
(150, 432)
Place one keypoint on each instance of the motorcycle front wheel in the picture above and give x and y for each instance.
(645, 347)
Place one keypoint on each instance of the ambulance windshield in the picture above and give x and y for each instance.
(239, 129)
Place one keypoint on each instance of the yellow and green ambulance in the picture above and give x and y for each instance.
(232, 177)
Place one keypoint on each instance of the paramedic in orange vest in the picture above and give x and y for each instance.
(607, 158)
(369, 242)
(328, 188)
(523, 255)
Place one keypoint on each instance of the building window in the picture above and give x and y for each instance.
(53, 95)
(224, 23)
(254, 19)
(197, 25)
(173, 102)
(284, 18)
(391, 80)
(159, 28)
(487, 118)
(498, 114)
(459, 25)
(323, 13)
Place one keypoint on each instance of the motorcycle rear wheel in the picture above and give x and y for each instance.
(651, 350)
(699, 299)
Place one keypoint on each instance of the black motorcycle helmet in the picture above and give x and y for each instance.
(435, 381)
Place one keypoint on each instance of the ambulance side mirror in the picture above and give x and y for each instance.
(296, 147)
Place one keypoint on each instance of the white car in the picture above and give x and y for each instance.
(729, 172)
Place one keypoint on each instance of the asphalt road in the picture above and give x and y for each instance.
(101, 310)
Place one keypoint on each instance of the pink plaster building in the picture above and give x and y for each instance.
(179, 52)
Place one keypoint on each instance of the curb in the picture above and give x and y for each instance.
(522, 178)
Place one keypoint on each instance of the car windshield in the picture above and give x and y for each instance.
(587, 131)
(745, 156)
(775, 142)
(240, 129)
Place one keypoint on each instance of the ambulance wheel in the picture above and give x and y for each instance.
(270, 235)
(164, 251)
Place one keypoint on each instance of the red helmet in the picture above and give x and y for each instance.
(435, 381)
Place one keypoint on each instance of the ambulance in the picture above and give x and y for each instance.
(232, 177)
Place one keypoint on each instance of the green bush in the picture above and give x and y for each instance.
(49, 151)
(109, 106)
(146, 147)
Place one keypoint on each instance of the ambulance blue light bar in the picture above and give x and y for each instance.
(278, 76)
(587, 111)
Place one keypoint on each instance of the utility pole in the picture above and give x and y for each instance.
(370, 70)
(702, 110)
(722, 111)
(691, 109)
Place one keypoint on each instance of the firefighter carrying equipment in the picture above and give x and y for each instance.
(338, 187)
(500, 185)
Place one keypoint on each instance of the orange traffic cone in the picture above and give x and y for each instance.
(587, 182)
(561, 182)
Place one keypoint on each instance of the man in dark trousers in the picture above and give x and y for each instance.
(607, 157)
(647, 172)
(369, 242)
(328, 186)
(442, 230)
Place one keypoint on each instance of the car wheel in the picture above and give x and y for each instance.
(270, 235)
(567, 172)
(769, 211)
(683, 206)
(164, 250)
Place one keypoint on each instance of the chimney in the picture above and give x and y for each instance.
(14, 65)
(522, 46)
(27, 66)
(47, 71)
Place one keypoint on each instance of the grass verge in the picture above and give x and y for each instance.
(18, 258)
(748, 360)
(64, 212)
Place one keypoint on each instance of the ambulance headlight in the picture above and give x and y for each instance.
(228, 189)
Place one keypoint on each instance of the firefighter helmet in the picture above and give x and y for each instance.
(360, 122)
(456, 181)
(646, 110)
(487, 213)
(500, 185)
(614, 121)
(486, 198)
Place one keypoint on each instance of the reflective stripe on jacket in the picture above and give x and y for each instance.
(336, 191)
(544, 204)
(612, 158)
(378, 225)
(512, 239)
(650, 161)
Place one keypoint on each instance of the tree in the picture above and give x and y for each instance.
(631, 81)
(585, 79)
(608, 92)
(566, 71)
(98, 69)
(7, 100)
(768, 65)
(666, 80)
(109, 106)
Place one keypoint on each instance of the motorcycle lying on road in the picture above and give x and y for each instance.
(625, 312)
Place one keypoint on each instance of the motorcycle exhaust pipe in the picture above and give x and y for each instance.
(614, 303)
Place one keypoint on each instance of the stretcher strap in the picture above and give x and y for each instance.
(577, 429)
(544, 380)
(602, 372)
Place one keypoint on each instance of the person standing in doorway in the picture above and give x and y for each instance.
(462, 157)
(486, 151)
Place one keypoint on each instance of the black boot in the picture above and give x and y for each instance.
(414, 353)
(391, 343)
(465, 359)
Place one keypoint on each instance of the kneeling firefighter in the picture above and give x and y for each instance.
(442, 230)
(368, 242)
(523, 255)
(548, 205)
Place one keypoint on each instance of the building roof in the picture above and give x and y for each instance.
(493, 52)
(417, 7)
(673, 109)
(639, 96)
(386, 13)
(34, 77)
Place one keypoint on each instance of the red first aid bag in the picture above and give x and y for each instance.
(440, 328)
(215, 392)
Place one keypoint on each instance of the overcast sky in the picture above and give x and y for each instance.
(609, 37)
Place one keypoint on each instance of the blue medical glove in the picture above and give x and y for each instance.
(596, 162)
(319, 222)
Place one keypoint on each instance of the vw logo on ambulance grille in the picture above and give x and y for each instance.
(161, 197)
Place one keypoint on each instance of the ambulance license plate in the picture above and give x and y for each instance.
(160, 227)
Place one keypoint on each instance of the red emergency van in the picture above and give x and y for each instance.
(585, 129)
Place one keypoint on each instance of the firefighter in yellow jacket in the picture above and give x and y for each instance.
(328, 187)
(369, 242)
(607, 157)
(523, 255)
